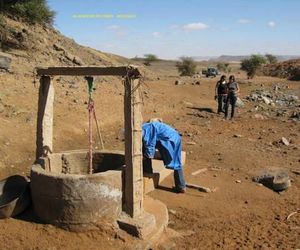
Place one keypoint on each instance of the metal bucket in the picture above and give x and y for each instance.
(14, 196)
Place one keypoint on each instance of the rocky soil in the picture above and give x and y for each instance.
(239, 214)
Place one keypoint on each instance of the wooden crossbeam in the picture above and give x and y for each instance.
(133, 71)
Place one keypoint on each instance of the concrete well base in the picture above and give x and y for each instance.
(150, 225)
(64, 195)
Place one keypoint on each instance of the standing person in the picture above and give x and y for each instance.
(233, 90)
(167, 140)
(221, 94)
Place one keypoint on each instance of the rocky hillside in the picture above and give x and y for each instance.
(37, 45)
(288, 69)
(27, 46)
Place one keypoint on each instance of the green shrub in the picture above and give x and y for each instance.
(186, 66)
(252, 64)
(31, 10)
(149, 58)
(3, 32)
(224, 67)
(271, 58)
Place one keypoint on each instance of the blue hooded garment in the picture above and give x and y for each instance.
(166, 139)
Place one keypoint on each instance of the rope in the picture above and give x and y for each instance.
(92, 114)
(98, 131)
(90, 81)
(90, 109)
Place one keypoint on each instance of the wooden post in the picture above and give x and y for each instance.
(44, 134)
(133, 149)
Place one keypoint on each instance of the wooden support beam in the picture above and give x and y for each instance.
(44, 134)
(89, 71)
(133, 193)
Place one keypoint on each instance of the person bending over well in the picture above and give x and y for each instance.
(158, 135)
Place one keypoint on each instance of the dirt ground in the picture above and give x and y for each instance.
(240, 214)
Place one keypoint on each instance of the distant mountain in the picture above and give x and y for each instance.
(228, 58)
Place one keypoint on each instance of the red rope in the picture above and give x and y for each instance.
(91, 113)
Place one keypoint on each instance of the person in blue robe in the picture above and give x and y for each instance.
(158, 135)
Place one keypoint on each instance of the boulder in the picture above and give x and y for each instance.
(77, 60)
(285, 141)
(266, 100)
(178, 82)
(5, 61)
(239, 103)
(57, 47)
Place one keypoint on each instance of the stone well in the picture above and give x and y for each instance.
(65, 195)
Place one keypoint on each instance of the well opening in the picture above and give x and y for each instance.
(77, 162)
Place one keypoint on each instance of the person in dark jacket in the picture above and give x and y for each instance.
(158, 135)
(221, 94)
(233, 90)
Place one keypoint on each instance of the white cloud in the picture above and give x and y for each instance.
(118, 30)
(271, 24)
(113, 27)
(156, 34)
(244, 21)
(195, 26)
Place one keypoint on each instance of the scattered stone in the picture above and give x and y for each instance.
(259, 116)
(199, 188)
(215, 168)
(5, 61)
(266, 100)
(239, 103)
(296, 172)
(237, 136)
(191, 143)
(77, 60)
(172, 211)
(285, 141)
(276, 98)
(57, 47)
(199, 171)
(295, 115)
(238, 181)
(178, 82)
(188, 103)
(275, 179)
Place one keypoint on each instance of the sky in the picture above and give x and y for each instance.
(174, 28)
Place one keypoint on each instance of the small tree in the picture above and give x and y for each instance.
(252, 64)
(3, 32)
(224, 67)
(149, 58)
(271, 58)
(186, 66)
(30, 10)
